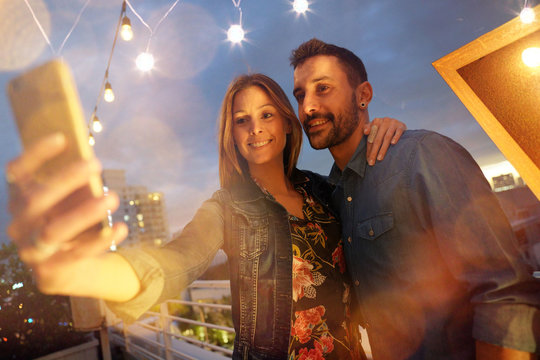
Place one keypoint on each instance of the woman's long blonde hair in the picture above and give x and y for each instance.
(233, 167)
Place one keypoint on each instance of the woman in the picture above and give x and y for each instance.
(265, 209)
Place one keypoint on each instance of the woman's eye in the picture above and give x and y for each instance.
(267, 115)
(239, 121)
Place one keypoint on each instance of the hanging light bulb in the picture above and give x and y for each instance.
(235, 34)
(300, 6)
(96, 125)
(108, 94)
(145, 61)
(527, 15)
(125, 31)
(91, 140)
(531, 57)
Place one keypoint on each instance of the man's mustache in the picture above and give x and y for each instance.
(318, 115)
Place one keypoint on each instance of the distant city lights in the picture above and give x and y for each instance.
(527, 15)
(531, 57)
(17, 286)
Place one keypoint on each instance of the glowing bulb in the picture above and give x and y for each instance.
(531, 56)
(145, 61)
(91, 140)
(96, 125)
(235, 34)
(527, 15)
(108, 94)
(125, 31)
(300, 6)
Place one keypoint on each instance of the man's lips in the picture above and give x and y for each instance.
(315, 124)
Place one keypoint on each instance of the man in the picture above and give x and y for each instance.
(434, 261)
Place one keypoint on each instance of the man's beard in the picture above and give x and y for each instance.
(341, 130)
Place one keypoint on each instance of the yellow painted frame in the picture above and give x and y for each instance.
(449, 68)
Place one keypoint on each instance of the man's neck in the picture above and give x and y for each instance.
(343, 152)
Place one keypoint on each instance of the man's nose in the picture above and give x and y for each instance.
(310, 104)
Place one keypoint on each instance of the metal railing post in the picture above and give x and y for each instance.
(165, 329)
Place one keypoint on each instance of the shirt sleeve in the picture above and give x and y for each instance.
(165, 271)
(453, 199)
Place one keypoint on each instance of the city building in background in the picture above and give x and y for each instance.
(142, 210)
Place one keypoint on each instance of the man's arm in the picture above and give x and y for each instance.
(478, 245)
(486, 351)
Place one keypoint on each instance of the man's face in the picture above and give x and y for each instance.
(327, 105)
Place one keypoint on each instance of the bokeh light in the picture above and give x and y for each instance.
(300, 6)
(531, 57)
(145, 61)
(527, 15)
(235, 34)
(18, 28)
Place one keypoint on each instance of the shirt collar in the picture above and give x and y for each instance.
(357, 163)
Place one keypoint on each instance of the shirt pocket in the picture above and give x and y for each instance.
(253, 235)
(375, 226)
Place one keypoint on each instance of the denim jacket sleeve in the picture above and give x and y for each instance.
(451, 196)
(165, 271)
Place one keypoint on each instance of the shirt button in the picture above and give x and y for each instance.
(349, 199)
(371, 233)
(356, 282)
(349, 239)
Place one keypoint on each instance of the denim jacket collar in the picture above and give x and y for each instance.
(358, 164)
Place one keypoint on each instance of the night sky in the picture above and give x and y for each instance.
(162, 126)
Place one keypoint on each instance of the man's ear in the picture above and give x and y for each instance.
(364, 94)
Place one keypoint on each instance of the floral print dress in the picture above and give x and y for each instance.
(320, 326)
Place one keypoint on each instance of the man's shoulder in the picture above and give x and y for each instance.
(413, 140)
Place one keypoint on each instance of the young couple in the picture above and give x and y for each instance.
(416, 245)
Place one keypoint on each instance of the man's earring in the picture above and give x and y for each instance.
(363, 105)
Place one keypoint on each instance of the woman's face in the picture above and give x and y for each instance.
(259, 130)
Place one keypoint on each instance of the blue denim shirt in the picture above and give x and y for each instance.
(434, 260)
(253, 229)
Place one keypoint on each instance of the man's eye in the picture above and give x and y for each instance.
(300, 97)
(322, 88)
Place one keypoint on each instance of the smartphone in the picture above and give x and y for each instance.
(44, 101)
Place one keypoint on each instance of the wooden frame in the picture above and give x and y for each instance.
(501, 92)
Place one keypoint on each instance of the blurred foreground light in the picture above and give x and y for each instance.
(108, 94)
(17, 285)
(91, 140)
(531, 57)
(125, 31)
(235, 34)
(96, 125)
(527, 15)
(300, 6)
(145, 61)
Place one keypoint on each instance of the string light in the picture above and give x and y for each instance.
(300, 6)
(235, 34)
(126, 32)
(531, 57)
(527, 15)
(145, 61)
(108, 94)
(96, 125)
(91, 139)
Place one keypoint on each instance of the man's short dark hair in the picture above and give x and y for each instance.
(353, 66)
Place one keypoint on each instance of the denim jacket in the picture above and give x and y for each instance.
(253, 229)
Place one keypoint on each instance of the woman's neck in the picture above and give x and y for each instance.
(272, 178)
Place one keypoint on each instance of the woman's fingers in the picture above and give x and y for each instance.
(22, 167)
(79, 219)
(388, 132)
